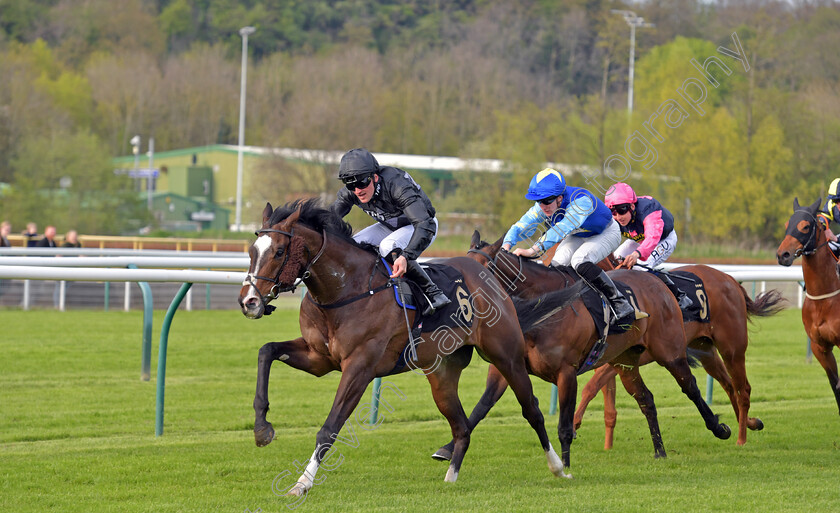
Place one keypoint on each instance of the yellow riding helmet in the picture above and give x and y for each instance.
(833, 199)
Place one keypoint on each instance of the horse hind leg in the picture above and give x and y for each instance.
(739, 392)
(681, 372)
(635, 386)
(495, 387)
(515, 374)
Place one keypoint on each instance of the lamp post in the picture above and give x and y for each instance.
(634, 21)
(244, 32)
(135, 148)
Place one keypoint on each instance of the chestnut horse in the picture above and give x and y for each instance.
(558, 349)
(346, 325)
(729, 309)
(805, 235)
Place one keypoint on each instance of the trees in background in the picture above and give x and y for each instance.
(527, 81)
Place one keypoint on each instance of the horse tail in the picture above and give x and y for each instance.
(765, 304)
(532, 312)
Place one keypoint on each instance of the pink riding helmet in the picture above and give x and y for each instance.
(619, 194)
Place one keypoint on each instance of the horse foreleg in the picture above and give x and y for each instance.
(825, 356)
(494, 388)
(566, 394)
(635, 386)
(295, 353)
(681, 372)
(356, 374)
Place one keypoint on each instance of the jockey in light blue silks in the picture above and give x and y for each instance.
(580, 222)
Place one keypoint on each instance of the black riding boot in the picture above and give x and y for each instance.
(597, 277)
(416, 274)
(683, 300)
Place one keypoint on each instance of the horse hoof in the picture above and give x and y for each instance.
(264, 435)
(758, 424)
(297, 490)
(442, 454)
(659, 455)
(723, 432)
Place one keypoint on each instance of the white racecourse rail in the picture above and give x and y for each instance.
(111, 268)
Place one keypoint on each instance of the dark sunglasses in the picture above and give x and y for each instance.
(357, 182)
(620, 209)
(548, 201)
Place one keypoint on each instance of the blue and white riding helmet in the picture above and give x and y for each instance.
(545, 184)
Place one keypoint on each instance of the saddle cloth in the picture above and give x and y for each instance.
(458, 313)
(693, 287)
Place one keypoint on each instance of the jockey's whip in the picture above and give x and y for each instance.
(412, 351)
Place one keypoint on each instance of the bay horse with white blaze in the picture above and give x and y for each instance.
(805, 235)
(346, 325)
(561, 348)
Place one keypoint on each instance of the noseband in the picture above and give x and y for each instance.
(278, 288)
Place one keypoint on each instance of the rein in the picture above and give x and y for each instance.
(344, 302)
(811, 236)
(494, 266)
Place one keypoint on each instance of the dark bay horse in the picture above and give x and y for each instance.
(724, 336)
(346, 325)
(557, 349)
(805, 235)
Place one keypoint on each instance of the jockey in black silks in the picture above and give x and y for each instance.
(406, 223)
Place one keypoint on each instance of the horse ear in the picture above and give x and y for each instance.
(267, 211)
(795, 204)
(815, 206)
(496, 246)
(476, 239)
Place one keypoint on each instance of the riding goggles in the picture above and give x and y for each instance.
(620, 209)
(548, 201)
(357, 182)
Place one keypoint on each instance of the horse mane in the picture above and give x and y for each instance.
(563, 269)
(315, 216)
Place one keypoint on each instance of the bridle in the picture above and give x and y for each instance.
(277, 288)
(510, 285)
(808, 239)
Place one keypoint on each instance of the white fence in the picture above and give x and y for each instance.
(71, 267)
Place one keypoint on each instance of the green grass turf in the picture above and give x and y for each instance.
(77, 431)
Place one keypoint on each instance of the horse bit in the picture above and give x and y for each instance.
(277, 289)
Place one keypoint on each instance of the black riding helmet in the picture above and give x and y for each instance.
(357, 162)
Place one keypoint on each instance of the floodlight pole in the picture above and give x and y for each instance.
(150, 176)
(634, 21)
(244, 32)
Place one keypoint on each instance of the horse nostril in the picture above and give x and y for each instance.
(251, 303)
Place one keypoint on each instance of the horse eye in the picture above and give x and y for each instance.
(279, 252)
